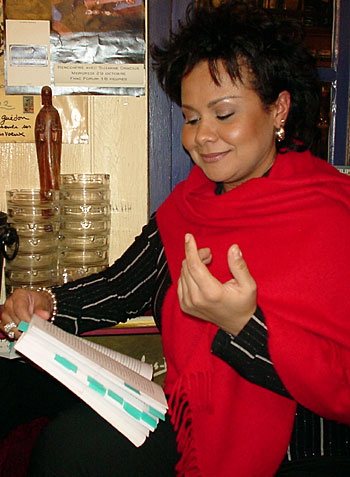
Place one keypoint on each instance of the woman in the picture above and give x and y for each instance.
(252, 307)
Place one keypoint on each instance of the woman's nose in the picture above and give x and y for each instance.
(205, 132)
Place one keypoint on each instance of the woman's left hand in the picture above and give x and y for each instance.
(228, 305)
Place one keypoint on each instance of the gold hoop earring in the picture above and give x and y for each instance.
(280, 133)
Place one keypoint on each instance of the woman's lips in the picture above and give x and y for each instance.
(213, 157)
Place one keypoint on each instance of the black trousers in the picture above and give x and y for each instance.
(77, 442)
(317, 467)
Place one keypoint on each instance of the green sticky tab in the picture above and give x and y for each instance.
(115, 396)
(23, 326)
(96, 386)
(133, 389)
(156, 413)
(132, 410)
(67, 364)
(149, 419)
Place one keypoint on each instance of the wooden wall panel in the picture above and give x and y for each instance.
(119, 147)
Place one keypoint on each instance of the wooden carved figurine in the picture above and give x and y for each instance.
(48, 140)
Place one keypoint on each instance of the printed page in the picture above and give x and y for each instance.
(145, 369)
(53, 336)
(36, 349)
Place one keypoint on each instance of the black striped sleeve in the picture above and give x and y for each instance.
(122, 291)
(248, 354)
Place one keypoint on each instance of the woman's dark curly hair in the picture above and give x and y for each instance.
(270, 46)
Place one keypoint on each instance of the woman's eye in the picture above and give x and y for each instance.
(191, 121)
(224, 116)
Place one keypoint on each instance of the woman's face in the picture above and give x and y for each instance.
(227, 131)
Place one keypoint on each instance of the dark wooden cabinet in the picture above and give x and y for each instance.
(169, 163)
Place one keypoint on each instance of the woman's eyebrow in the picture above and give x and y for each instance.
(211, 103)
(218, 100)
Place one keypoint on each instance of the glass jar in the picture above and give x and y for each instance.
(35, 215)
(86, 181)
(85, 224)
(32, 203)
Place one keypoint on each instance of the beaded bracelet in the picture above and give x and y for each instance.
(53, 300)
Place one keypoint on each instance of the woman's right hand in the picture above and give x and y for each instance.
(21, 305)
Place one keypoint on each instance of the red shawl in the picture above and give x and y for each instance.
(293, 228)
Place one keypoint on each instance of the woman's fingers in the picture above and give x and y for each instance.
(20, 306)
(239, 268)
(229, 305)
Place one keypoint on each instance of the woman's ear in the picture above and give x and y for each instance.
(282, 107)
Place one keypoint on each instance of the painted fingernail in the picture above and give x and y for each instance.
(236, 252)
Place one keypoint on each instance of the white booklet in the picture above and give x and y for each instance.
(116, 386)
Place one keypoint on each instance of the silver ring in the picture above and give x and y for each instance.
(8, 327)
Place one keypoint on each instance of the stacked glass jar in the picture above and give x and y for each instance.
(85, 225)
(35, 216)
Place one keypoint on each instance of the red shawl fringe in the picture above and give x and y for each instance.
(195, 388)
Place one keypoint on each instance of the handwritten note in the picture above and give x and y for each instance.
(15, 126)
